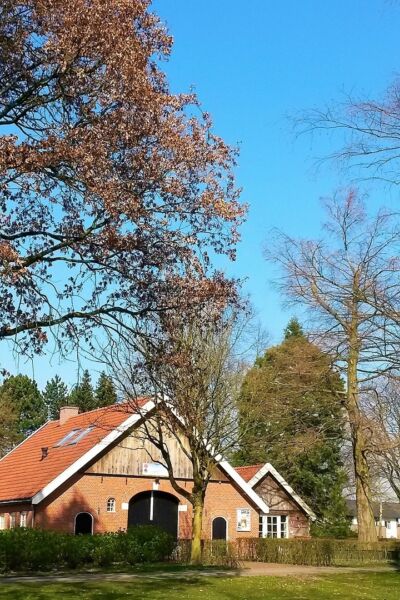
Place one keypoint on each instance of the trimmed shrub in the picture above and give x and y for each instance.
(35, 549)
(318, 552)
(146, 543)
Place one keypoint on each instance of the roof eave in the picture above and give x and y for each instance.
(16, 501)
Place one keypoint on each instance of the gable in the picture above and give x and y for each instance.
(275, 495)
(268, 469)
(134, 455)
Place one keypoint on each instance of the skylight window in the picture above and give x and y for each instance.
(82, 433)
(67, 438)
(73, 437)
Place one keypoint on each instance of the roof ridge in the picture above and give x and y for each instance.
(108, 407)
(246, 466)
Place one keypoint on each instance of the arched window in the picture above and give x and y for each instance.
(111, 505)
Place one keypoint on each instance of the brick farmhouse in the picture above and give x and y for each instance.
(94, 472)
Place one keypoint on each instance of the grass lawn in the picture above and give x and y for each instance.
(360, 586)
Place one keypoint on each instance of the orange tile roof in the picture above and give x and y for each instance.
(249, 471)
(23, 472)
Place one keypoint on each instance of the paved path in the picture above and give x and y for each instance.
(256, 569)
(248, 569)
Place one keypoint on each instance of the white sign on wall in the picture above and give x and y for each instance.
(125, 506)
(243, 519)
(154, 469)
(182, 508)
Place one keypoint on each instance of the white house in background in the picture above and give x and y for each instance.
(387, 518)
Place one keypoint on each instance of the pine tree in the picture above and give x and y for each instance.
(9, 435)
(25, 402)
(293, 329)
(82, 395)
(55, 396)
(291, 416)
(105, 391)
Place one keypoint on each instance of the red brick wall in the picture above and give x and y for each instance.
(90, 493)
(17, 509)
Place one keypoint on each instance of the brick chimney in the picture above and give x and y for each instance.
(66, 412)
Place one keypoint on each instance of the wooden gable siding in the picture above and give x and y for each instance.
(275, 496)
(128, 457)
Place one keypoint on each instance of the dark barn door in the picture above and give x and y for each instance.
(154, 508)
(139, 509)
(83, 523)
(219, 529)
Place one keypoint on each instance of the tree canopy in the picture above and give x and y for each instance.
(55, 395)
(105, 392)
(24, 403)
(113, 189)
(292, 395)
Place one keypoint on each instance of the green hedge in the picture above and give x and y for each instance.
(35, 549)
(318, 552)
(213, 553)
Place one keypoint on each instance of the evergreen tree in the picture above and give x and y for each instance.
(24, 401)
(291, 416)
(293, 329)
(82, 395)
(105, 391)
(9, 435)
(55, 396)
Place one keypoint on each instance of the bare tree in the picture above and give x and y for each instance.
(368, 131)
(196, 374)
(350, 283)
(382, 409)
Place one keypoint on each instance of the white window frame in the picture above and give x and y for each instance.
(111, 505)
(2, 521)
(13, 520)
(23, 519)
(277, 519)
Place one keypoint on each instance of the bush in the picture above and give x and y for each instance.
(318, 552)
(28, 549)
(35, 549)
(146, 543)
(76, 551)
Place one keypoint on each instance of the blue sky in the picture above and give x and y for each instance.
(252, 64)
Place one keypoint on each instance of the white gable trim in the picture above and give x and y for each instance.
(112, 437)
(247, 489)
(268, 468)
(92, 453)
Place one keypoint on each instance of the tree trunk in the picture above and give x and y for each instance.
(197, 526)
(365, 517)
